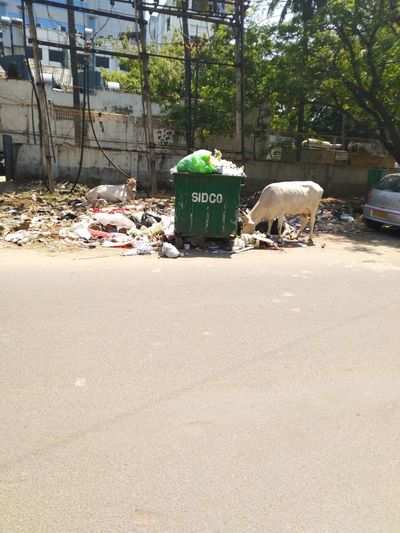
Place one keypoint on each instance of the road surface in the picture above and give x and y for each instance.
(252, 394)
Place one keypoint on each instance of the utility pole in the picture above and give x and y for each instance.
(239, 59)
(46, 156)
(188, 76)
(74, 69)
(146, 98)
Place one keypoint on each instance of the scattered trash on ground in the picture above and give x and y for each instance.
(39, 218)
(338, 217)
(59, 221)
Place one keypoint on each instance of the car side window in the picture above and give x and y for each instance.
(389, 183)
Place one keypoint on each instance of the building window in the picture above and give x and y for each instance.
(200, 5)
(57, 55)
(168, 23)
(102, 61)
(3, 9)
(91, 23)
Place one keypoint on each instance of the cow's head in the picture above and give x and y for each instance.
(248, 224)
(131, 183)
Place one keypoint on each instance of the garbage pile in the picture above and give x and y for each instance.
(204, 162)
(335, 216)
(340, 217)
(59, 221)
(143, 226)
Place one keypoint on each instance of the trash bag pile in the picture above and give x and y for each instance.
(59, 221)
(205, 162)
(340, 217)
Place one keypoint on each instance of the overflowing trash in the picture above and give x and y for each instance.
(205, 162)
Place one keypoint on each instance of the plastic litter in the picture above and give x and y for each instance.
(149, 219)
(168, 224)
(117, 240)
(346, 218)
(143, 247)
(228, 168)
(81, 230)
(19, 237)
(169, 250)
(198, 162)
(118, 220)
(204, 162)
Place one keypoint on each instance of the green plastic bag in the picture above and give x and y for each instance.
(197, 163)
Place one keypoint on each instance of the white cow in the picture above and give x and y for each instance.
(112, 193)
(288, 198)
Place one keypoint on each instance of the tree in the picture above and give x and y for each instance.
(304, 11)
(305, 8)
(166, 75)
(213, 87)
(354, 61)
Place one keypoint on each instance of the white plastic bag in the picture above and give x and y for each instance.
(113, 219)
(143, 247)
(169, 250)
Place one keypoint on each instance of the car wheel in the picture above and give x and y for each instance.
(372, 224)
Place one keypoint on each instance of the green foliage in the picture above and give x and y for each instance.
(355, 65)
(334, 58)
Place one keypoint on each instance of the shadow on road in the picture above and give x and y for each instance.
(369, 241)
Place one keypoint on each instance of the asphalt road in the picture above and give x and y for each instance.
(254, 394)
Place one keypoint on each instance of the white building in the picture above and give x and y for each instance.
(52, 26)
(162, 28)
(57, 19)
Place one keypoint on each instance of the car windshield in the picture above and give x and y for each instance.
(391, 182)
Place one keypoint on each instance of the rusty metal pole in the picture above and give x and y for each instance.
(146, 98)
(46, 155)
(74, 70)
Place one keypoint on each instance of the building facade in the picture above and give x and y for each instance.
(52, 18)
(162, 28)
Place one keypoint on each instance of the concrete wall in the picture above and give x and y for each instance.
(19, 92)
(95, 168)
(335, 180)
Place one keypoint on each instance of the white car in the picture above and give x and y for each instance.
(383, 204)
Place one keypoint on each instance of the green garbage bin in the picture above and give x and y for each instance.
(374, 175)
(206, 205)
